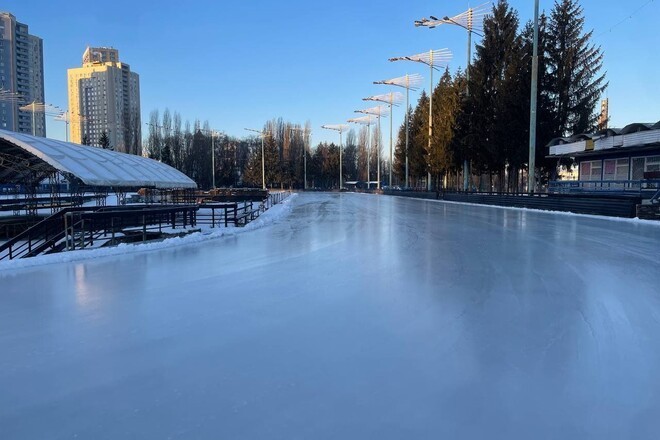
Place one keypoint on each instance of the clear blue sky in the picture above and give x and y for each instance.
(238, 64)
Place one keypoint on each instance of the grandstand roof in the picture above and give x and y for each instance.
(25, 158)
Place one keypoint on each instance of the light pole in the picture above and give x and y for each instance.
(40, 107)
(66, 117)
(392, 98)
(377, 111)
(468, 20)
(408, 82)
(213, 134)
(531, 172)
(366, 120)
(305, 150)
(340, 128)
(262, 133)
(433, 59)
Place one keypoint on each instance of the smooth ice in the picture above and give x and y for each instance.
(356, 316)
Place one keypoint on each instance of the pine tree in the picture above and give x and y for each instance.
(490, 112)
(445, 110)
(400, 149)
(418, 142)
(574, 65)
(104, 141)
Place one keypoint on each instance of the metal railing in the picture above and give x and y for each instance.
(643, 188)
(73, 228)
(235, 213)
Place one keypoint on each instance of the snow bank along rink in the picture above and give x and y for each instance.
(355, 316)
(268, 217)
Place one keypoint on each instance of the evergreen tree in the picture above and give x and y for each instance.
(104, 141)
(493, 75)
(574, 66)
(418, 142)
(445, 110)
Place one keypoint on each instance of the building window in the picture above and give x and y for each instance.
(652, 163)
(616, 169)
(591, 170)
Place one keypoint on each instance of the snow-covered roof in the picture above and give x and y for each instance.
(21, 154)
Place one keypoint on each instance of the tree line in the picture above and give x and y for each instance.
(483, 120)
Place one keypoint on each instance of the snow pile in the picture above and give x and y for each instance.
(542, 211)
(271, 216)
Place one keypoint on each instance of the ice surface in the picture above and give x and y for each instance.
(354, 316)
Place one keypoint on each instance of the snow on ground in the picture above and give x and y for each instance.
(354, 316)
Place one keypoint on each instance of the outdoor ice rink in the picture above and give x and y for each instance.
(354, 316)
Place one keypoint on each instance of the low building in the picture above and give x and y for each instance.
(630, 154)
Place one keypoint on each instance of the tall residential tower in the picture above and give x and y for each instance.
(22, 73)
(104, 96)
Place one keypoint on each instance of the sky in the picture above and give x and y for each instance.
(238, 64)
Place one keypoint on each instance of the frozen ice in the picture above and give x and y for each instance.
(343, 316)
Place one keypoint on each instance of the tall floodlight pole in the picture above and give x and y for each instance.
(340, 128)
(40, 107)
(306, 147)
(472, 21)
(67, 117)
(434, 59)
(262, 133)
(377, 111)
(392, 98)
(408, 82)
(213, 134)
(531, 173)
(366, 120)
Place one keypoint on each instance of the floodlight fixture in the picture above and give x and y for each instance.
(379, 112)
(9, 96)
(408, 82)
(40, 107)
(367, 120)
(67, 117)
(433, 59)
(472, 21)
(262, 133)
(392, 98)
(340, 128)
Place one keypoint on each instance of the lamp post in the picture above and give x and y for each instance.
(377, 111)
(433, 59)
(340, 128)
(366, 120)
(468, 20)
(40, 107)
(408, 82)
(213, 134)
(305, 150)
(67, 117)
(262, 133)
(531, 173)
(392, 98)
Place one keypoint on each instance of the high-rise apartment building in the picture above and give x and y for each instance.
(22, 73)
(104, 96)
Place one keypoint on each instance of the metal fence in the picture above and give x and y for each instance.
(645, 188)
